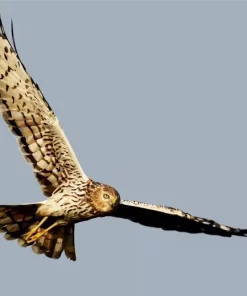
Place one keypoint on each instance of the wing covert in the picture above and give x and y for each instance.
(30, 117)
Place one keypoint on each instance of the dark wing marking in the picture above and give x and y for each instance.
(30, 117)
(168, 218)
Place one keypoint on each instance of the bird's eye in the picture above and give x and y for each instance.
(106, 196)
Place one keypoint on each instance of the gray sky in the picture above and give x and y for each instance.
(152, 97)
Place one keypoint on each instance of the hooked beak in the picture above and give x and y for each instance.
(113, 201)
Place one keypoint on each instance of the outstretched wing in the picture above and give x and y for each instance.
(168, 218)
(29, 116)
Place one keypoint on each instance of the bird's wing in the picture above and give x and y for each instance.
(168, 218)
(30, 117)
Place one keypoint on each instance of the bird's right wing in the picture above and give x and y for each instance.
(29, 116)
(168, 218)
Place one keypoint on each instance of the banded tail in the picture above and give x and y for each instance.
(17, 220)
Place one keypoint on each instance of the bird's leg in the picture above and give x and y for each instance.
(27, 235)
(40, 233)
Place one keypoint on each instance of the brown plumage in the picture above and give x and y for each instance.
(72, 197)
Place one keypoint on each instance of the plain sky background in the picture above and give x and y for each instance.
(153, 98)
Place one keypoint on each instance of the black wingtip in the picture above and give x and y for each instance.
(13, 36)
(2, 31)
(240, 232)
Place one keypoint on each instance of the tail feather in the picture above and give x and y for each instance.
(57, 240)
(69, 243)
(17, 220)
(50, 244)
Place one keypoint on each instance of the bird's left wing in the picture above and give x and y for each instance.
(30, 117)
(168, 218)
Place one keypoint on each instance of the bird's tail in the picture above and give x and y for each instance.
(17, 220)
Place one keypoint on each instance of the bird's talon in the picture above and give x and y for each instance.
(35, 237)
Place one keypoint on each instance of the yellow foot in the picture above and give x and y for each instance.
(37, 235)
(27, 235)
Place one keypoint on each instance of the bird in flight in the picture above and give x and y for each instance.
(72, 197)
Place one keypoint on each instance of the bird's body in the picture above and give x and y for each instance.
(72, 197)
(79, 202)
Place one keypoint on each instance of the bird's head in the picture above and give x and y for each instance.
(104, 197)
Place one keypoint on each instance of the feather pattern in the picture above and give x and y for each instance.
(29, 116)
(54, 242)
